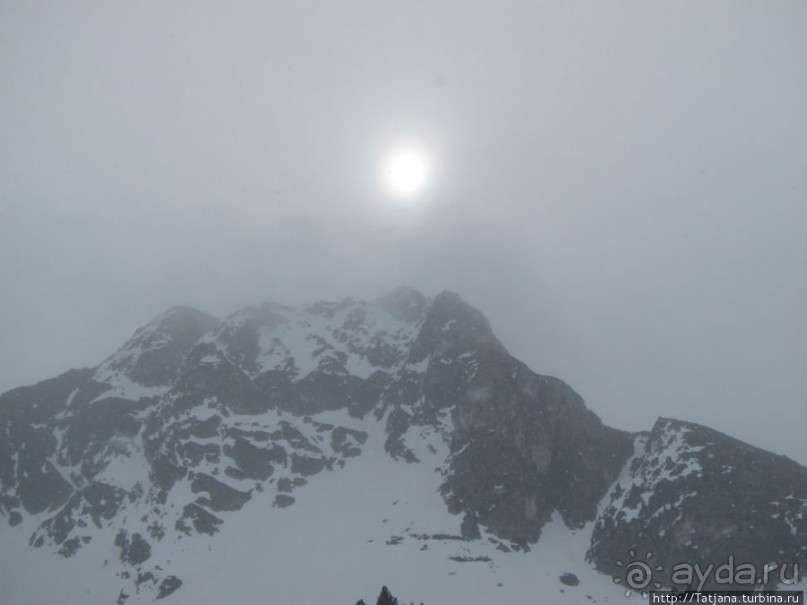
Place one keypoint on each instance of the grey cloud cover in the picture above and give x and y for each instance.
(620, 187)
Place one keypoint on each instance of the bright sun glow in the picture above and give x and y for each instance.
(406, 172)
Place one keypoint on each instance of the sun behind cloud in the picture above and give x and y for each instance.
(406, 172)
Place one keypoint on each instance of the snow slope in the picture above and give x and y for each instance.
(376, 521)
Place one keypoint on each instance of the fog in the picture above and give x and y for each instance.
(621, 188)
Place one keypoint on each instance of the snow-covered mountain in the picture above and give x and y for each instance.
(310, 454)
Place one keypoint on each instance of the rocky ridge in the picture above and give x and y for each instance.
(194, 416)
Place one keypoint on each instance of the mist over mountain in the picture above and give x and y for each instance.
(312, 453)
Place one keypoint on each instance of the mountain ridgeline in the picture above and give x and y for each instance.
(196, 418)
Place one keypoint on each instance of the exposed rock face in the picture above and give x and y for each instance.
(696, 496)
(28, 415)
(193, 416)
(154, 354)
(524, 446)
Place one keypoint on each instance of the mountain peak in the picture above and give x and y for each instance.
(405, 303)
(155, 351)
(407, 421)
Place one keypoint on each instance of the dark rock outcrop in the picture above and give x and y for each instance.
(694, 496)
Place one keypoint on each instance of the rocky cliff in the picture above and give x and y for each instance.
(194, 417)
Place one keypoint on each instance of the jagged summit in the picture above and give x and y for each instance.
(347, 337)
(208, 432)
(405, 303)
(155, 351)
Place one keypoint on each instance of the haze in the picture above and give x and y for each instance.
(619, 187)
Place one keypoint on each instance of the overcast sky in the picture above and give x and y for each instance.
(620, 187)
